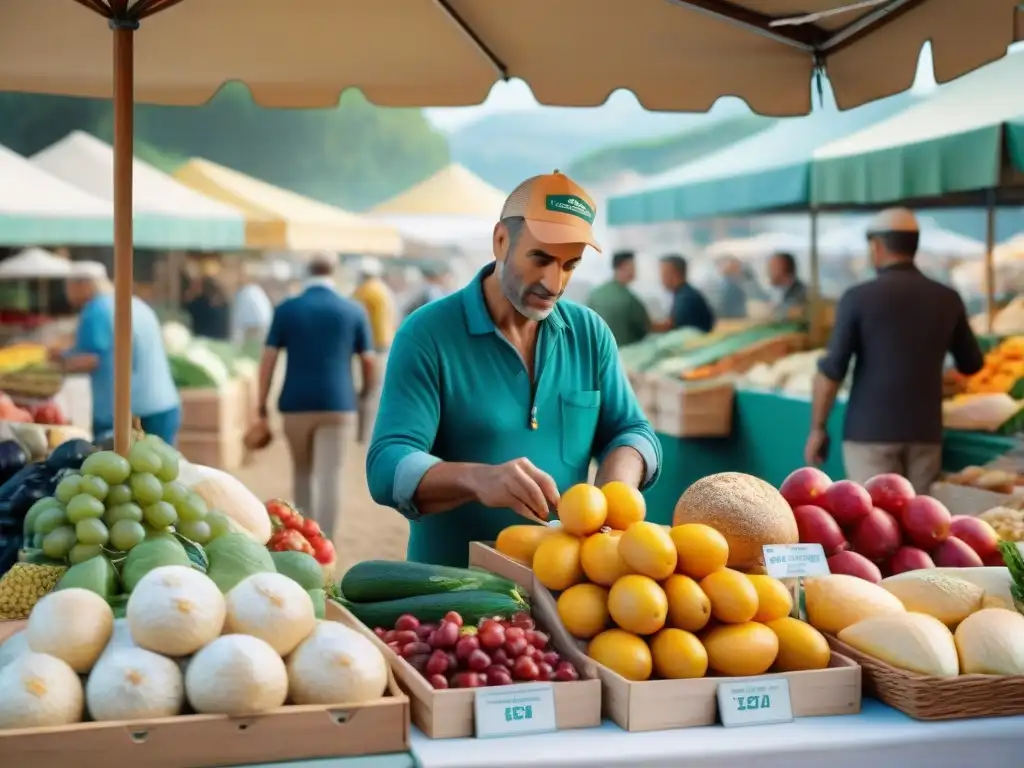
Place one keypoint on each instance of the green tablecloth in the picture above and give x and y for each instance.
(767, 441)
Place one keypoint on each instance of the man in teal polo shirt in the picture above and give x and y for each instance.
(497, 397)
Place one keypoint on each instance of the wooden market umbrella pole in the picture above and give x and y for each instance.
(124, 98)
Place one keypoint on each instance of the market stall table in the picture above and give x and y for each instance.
(767, 441)
(880, 734)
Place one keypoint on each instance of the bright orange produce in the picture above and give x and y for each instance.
(701, 549)
(774, 600)
(582, 510)
(801, 646)
(741, 650)
(626, 505)
(583, 610)
(601, 560)
(622, 652)
(638, 604)
(732, 594)
(678, 655)
(647, 548)
(520, 542)
(688, 607)
(556, 563)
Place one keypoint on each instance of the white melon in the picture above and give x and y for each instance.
(991, 642)
(37, 691)
(175, 610)
(273, 608)
(336, 665)
(134, 684)
(915, 642)
(13, 647)
(72, 624)
(236, 675)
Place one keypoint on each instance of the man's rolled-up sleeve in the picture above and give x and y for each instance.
(843, 344)
(407, 421)
(622, 422)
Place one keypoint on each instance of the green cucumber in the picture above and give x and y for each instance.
(372, 581)
(473, 606)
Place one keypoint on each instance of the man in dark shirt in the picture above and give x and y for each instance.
(689, 307)
(617, 305)
(791, 300)
(899, 327)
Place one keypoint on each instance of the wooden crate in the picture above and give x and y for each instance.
(694, 409)
(214, 409)
(220, 450)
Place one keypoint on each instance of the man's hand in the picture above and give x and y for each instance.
(517, 485)
(814, 450)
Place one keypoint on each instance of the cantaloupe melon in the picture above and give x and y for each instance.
(991, 642)
(746, 510)
(837, 601)
(948, 598)
(994, 580)
(915, 642)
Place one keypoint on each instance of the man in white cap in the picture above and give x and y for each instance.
(155, 399)
(899, 327)
(499, 395)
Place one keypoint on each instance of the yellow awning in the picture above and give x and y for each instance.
(452, 191)
(276, 219)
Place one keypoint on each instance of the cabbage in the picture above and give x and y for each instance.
(176, 338)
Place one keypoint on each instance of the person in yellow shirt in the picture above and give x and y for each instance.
(377, 300)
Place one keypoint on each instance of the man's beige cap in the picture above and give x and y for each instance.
(893, 220)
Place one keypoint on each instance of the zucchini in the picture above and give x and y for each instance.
(375, 580)
(473, 606)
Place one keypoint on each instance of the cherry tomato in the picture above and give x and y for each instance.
(419, 662)
(491, 636)
(524, 620)
(454, 618)
(453, 661)
(552, 658)
(404, 636)
(466, 646)
(416, 649)
(537, 639)
(437, 664)
(516, 648)
(311, 529)
(424, 630)
(323, 551)
(478, 661)
(501, 659)
(545, 672)
(446, 635)
(498, 676)
(515, 633)
(389, 636)
(466, 680)
(438, 682)
(566, 672)
(407, 621)
(525, 668)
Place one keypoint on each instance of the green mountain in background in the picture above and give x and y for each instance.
(354, 155)
(650, 156)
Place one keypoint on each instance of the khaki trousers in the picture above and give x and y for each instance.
(920, 463)
(317, 442)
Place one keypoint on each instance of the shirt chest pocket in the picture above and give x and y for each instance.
(580, 412)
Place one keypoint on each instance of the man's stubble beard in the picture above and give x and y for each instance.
(513, 290)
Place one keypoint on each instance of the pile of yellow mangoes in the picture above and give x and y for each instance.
(659, 602)
(1004, 366)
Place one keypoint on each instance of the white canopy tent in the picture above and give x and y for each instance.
(34, 264)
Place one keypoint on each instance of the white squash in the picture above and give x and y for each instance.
(13, 647)
(236, 675)
(37, 691)
(121, 637)
(175, 610)
(991, 642)
(134, 684)
(949, 599)
(336, 665)
(273, 608)
(915, 642)
(994, 580)
(72, 624)
(223, 492)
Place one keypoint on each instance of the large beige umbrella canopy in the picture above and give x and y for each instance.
(673, 54)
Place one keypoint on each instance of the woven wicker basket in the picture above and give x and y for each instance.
(924, 697)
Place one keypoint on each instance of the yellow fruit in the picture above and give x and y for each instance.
(556, 563)
(801, 646)
(648, 549)
(583, 610)
(732, 594)
(838, 601)
(637, 604)
(701, 549)
(582, 510)
(601, 560)
(678, 655)
(626, 505)
(773, 598)
(688, 607)
(520, 542)
(622, 652)
(741, 650)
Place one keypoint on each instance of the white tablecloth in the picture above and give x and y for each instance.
(879, 737)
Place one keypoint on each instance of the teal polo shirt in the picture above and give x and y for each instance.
(457, 390)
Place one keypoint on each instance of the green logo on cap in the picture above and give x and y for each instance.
(572, 205)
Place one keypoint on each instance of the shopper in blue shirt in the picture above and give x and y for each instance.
(689, 307)
(155, 399)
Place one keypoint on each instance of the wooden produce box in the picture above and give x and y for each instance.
(204, 741)
(214, 409)
(221, 450)
(449, 714)
(694, 409)
(646, 392)
(966, 500)
(657, 705)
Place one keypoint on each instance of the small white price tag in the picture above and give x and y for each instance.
(755, 701)
(515, 710)
(794, 561)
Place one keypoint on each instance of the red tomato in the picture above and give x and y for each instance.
(323, 550)
(310, 529)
